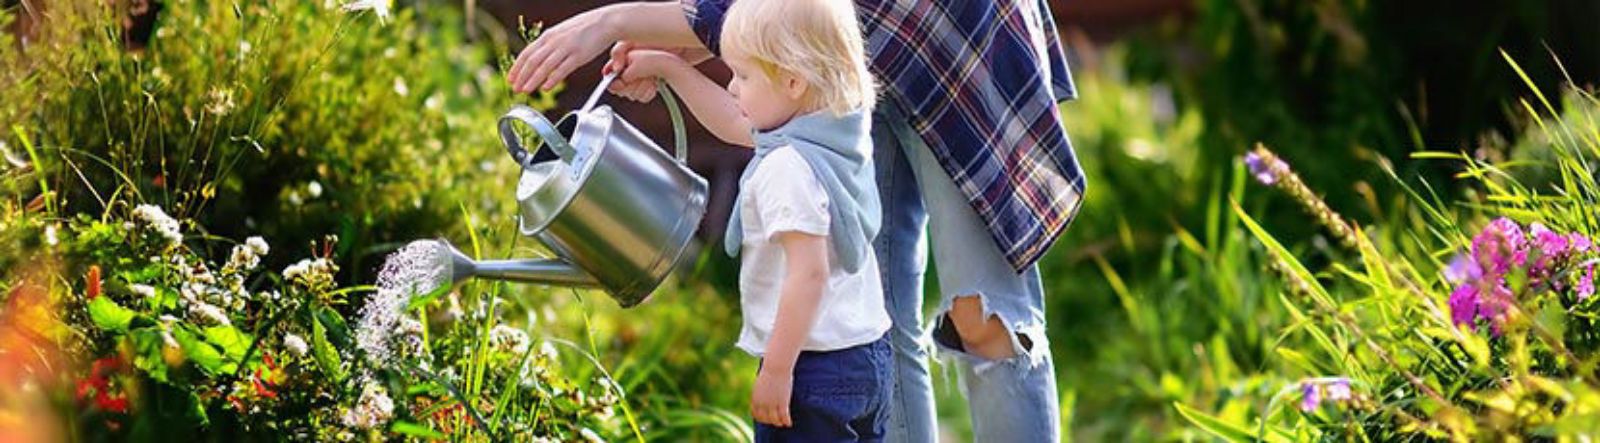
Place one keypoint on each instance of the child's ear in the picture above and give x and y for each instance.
(794, 86)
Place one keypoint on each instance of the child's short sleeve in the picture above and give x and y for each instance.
(788, 196)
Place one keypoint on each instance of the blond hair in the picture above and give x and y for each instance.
(818, 41)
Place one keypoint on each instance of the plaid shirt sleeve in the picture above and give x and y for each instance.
(980, 82)
(705, 17)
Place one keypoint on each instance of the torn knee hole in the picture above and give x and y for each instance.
(946, 333)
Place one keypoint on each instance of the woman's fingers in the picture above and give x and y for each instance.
(562, 69)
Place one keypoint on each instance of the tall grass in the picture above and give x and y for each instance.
(1387, 320)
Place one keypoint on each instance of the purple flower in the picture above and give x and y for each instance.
(1548, 242)
(1499, 247)
(1463, 269)
(1578, 243)
(1586, 283)
(1265, 172)
(1310, 396)
(1464, 305)
(1339, 389)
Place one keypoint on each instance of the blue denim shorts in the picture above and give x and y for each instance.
(838, 396)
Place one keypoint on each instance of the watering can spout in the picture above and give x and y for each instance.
(545, 271)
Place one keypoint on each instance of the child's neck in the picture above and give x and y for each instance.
(803, 110)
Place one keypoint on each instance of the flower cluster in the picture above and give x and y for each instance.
(296, 345)
(1548, 260)
(311, 272)
(373, 409)
(153, 217)
(99, 386)
(508, 339)
(245, 257)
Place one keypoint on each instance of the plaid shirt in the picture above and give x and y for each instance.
(980, 81)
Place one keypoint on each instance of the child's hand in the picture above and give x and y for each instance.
(769, 402)
(638, 70)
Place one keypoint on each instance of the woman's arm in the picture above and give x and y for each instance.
(805, 273)
(570, 44)
(709, 102)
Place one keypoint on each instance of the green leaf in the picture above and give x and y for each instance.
(1552, 318)
(108, 315)
(1213, 425)
(416, 430)
(233, 342)
(324, 353)
(201, 353)
(147, 347)
(338, 332)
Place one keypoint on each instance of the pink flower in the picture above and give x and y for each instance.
(1586, 283)
(1499, 247)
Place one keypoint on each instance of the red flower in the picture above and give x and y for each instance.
(108, 403)
(93, 279)
(99, 385)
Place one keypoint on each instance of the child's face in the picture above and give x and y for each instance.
(768, 101)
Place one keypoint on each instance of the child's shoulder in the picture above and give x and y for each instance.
(784, 171)
(784, 160)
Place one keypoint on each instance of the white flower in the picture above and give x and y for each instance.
(244, 258)
(295, 344)
(547, 351)
(400, 87)
(311, 272)
(220, 101)
(256, 243)
(373, 409)
(146, 291)
(209, 314)
(50, 235)
(380, 7)
(153, 217)
(508, 339)
(314, 188)
(590, 436)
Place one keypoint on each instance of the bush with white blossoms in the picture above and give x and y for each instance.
(274, 353)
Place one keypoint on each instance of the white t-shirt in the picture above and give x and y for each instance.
(783, 195)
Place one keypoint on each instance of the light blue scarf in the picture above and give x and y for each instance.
(839, 151)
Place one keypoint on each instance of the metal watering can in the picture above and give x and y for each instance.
(616, 210)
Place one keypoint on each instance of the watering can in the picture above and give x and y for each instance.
(616, 210)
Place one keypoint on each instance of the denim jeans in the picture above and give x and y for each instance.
(1011, 400)
(838, 396)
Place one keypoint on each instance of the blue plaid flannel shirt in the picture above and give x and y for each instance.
(980, 81)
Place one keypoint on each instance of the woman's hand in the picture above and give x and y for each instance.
(568, 45)
(561, 49)
(769, 403)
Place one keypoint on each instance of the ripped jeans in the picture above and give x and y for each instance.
(1011, 400)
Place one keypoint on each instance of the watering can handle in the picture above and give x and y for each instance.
(680, 136)
(547, 134)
